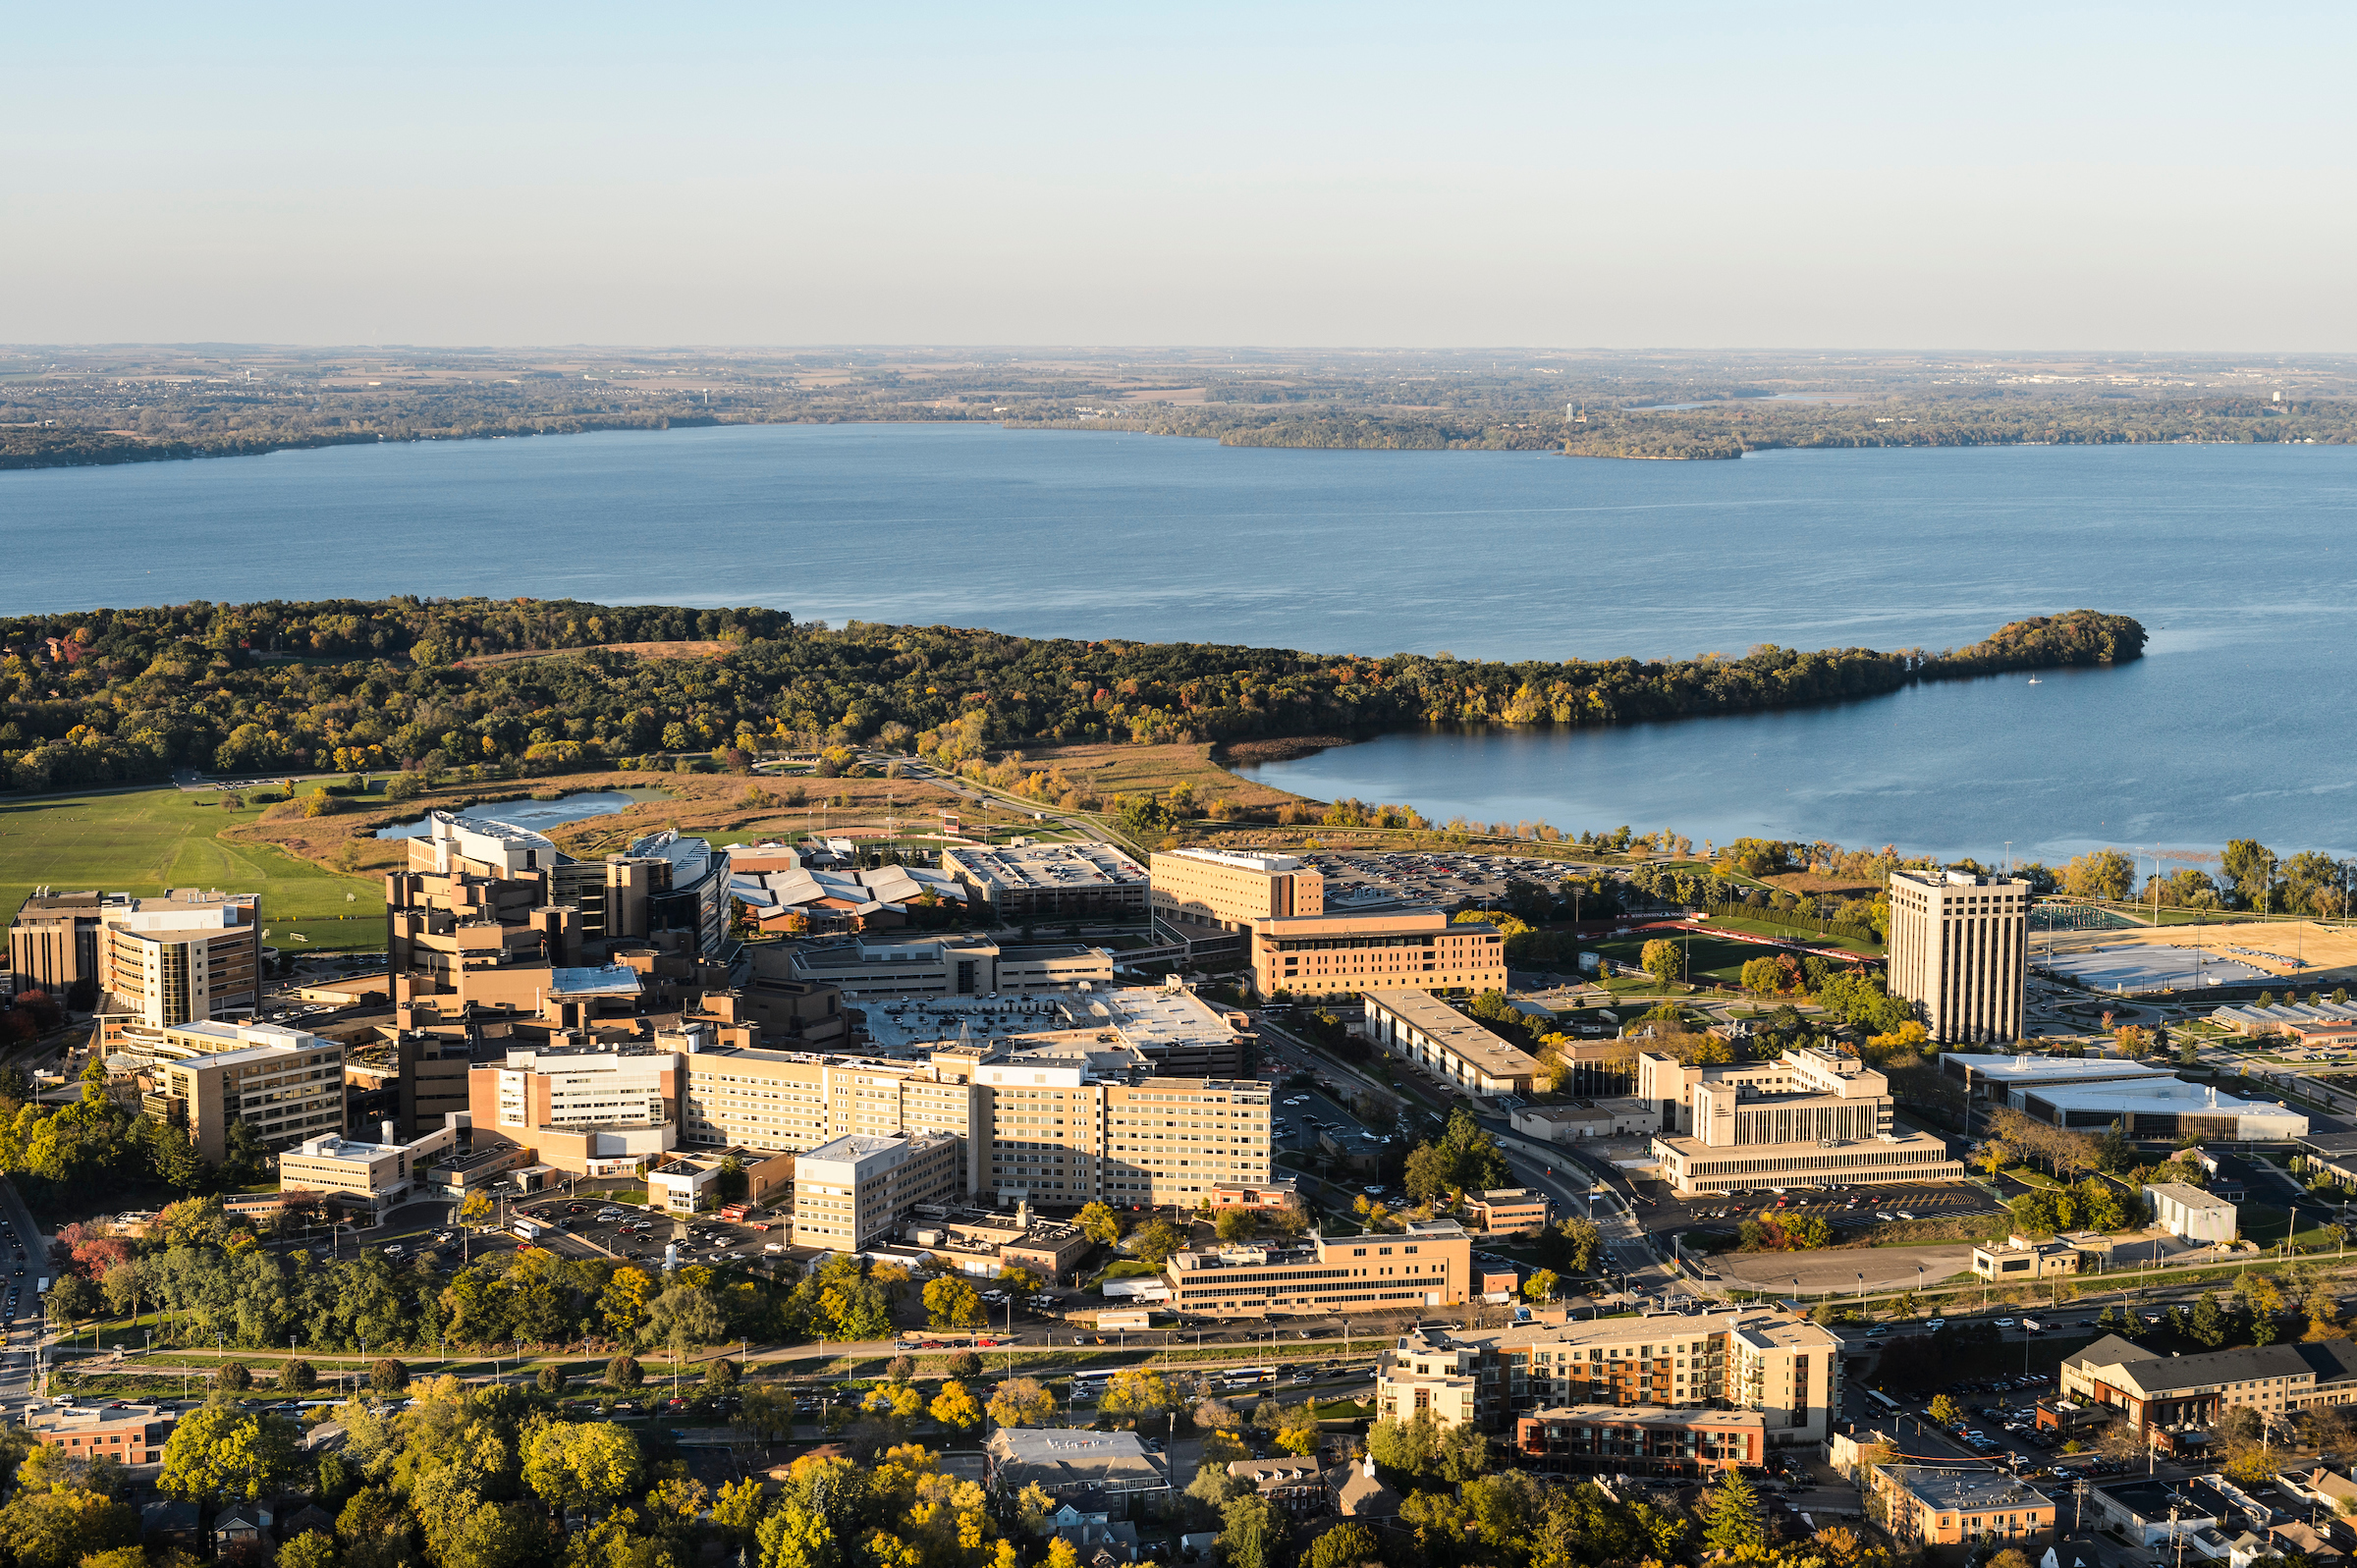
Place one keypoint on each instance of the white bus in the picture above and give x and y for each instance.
(1882, 1403)
(1248, 1377)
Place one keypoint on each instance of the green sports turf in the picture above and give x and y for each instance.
(150, 840)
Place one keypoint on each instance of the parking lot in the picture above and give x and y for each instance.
(1369, 883)
(1663, 1211)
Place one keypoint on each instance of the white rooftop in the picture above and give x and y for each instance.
(1270, 863)
(2054, 1069)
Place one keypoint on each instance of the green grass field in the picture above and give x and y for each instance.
(1709, 957)
(150, 840)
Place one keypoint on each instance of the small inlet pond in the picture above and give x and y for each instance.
(540, 815)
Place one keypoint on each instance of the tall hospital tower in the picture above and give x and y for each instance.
(1959, 945)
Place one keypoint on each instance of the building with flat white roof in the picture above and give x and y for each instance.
(853, 1191)
(2190, 1212)
(1418, 1027)
(377, 1173)
(1824, 1117)
(2166, 1107)
(1080, 880)
(1229, 889)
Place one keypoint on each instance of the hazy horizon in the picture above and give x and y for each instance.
(2102, 180)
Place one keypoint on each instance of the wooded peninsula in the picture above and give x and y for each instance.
(539, 686)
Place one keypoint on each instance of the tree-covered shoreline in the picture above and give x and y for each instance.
(125, 696)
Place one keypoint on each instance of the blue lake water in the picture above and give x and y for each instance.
(2240, 558)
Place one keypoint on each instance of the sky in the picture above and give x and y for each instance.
(2150, 176)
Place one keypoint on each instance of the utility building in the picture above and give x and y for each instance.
(1959, 950)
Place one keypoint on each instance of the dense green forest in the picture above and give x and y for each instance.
(127, 695)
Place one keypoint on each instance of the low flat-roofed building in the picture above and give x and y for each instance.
(1428, 1265)
(1987, 1074)
(2166, 1107)
(2151, 1512)
(1282, 1192)
(1641, 1440)
(1080, 880)
(974, 1240)
(1937, 1505)
(1339, 955)
(950, 966)
(133, 1434)
(2024, 1257)
(1420, 1028)
(1073, 1462)
(377, 1173)
(1618, 1117)
(1508, 1210)
(685, 1183)
(2190, 1212)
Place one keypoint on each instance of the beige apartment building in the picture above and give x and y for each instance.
(1959, 949)
(1339, 955)
(1785, 1367)
(287, 1085)
(1820, 1116)
(1428, 1265)
(1232, 889)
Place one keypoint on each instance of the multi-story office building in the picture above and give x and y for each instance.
(1049, 881)
(1428, 1265)
(130, 1434)
(594, 1110)
(1785, 1367)
(1058, 1125)
(485, 910)
(1418, 1027)
(849, 1192)
(1338, 955)
(1232, 889)
(187, 957)
(796, 1100)
(1833, 1124)
(53, 945)
(1959, 949)
(283, 1084)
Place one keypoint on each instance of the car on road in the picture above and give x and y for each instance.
(2006, 1323)
(1936, 1325)
(1878, 1330)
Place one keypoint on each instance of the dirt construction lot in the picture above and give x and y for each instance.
(2301, 951)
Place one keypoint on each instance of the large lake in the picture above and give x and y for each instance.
(2238, 722)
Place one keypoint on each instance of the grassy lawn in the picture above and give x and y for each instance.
(1819, 939)
(151, 841)
(2264, 1224)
